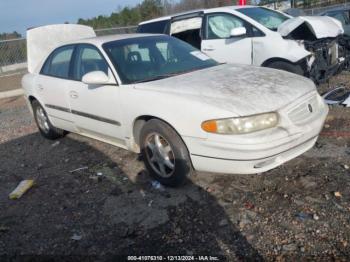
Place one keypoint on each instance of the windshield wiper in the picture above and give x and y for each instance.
(154, 78)
(172, 74)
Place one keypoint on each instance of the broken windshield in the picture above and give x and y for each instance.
(268, 18)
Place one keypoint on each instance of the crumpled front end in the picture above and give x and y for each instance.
(344, 50)
(327, 58)
(323, 38)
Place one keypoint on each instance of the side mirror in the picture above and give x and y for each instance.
(96, 78)
(238, 31)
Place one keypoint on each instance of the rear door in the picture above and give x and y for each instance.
(218, 43)
(95, 108)
(52, 87)
(188, 28)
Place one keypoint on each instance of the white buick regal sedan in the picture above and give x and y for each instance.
(157, 95)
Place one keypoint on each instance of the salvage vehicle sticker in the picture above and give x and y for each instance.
(200, 55)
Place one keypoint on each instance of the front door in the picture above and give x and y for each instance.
(95, 108)
(218, 43)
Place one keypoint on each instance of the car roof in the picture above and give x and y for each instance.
(210, 10)
(99, 40)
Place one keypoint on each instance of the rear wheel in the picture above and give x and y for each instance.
(164, 153)
(289, 67)
(45, 127)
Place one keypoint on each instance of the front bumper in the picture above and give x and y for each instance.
(262, 151)
(248, 166)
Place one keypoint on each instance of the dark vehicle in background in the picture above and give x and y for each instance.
(341, 14)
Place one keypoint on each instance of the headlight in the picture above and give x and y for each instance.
(241, 125)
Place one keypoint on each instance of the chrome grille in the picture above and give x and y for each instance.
(304, 111)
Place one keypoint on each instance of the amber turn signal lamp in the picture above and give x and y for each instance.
(210, 126)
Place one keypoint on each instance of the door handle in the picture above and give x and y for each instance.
(73, 94)
(40, 87)
(208, 49)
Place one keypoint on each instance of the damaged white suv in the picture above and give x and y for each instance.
(259, 36)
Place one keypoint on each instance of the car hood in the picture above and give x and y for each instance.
(320, 26)
(239, 89)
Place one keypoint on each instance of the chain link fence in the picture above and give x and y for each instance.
(13, 53)
(318, 10)
(117, 30)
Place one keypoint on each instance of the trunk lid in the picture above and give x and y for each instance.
(41, 41)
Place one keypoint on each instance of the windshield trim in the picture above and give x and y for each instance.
(161, 77)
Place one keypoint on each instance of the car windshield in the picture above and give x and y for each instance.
(268, 18)
(151, 58)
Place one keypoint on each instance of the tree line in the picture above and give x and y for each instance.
(8, 36)
(149, 9)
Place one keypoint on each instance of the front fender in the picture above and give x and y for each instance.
(184, 114)
(289, 50)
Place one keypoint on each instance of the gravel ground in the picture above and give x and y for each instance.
(300, 210)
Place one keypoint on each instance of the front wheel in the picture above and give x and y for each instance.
(164, 153)
(285, 66)
(46, 129)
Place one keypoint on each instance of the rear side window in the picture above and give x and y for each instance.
(59, 62)
(153, 28)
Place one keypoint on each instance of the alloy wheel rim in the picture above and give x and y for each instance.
(42, 120)
(160, 155)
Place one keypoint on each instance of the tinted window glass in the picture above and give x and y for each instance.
(152, 58)
(340, 16)
(88, 60)
(257, 32)
(268, 18)
(220, 25)
(153, 28)
(59, 62)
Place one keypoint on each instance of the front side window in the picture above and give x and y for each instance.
(268, 18)
(154, 57)
(88, 59)
(219, 26)
(58, 63)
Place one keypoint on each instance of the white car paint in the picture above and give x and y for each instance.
(42, 40)
(184, 102)
(321, 26)
(258, 50)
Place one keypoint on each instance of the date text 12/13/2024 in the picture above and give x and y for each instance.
(173, 258)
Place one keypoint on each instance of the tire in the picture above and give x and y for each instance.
(45, 127)
(162, 146)
(285, 66)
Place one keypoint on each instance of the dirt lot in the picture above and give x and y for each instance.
(300, 210)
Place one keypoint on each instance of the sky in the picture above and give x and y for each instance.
(18, 15)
